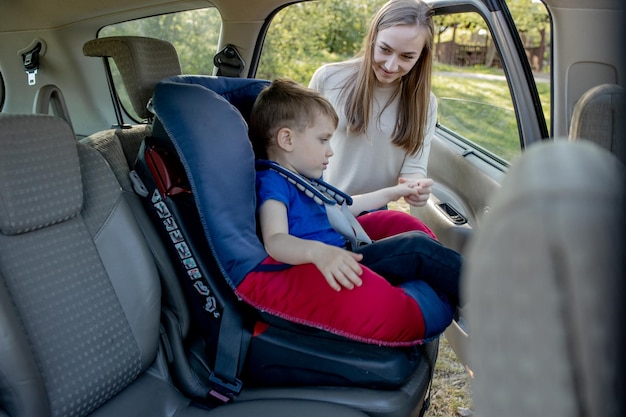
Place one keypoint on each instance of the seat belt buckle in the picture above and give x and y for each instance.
(223, 390)
(30, 60)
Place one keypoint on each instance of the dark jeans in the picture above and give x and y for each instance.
(408, 258)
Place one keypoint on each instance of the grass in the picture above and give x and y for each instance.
(451, 394)
(475, 102)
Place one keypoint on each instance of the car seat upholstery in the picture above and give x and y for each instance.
(119, 146)
(142, 62)
(282, 360)
(545, 276)
(79, 292)
(600, 116)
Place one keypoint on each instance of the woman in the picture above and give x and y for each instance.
(387, 111)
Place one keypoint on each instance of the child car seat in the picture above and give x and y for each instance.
(203, 201)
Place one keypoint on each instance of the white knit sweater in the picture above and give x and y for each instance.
(366, 163)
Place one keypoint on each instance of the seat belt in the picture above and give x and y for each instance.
(232, 347)
(335, 201)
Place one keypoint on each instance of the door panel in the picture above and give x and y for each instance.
(461, 192)
(489, 110)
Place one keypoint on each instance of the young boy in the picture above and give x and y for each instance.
(291, 125)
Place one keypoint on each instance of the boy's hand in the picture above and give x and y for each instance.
(340, 267)
(421, 191)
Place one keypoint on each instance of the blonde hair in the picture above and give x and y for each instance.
(285, 103)
(414, 88)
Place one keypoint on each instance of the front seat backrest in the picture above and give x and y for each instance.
(87, 297)
(600, 116)
(545, 280)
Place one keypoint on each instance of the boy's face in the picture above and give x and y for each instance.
(311, 147)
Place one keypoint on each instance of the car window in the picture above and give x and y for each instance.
(475, 103)
(194, 34)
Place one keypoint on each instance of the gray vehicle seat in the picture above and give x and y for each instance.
(545, 274)
(79, 293)
(142, 62)
(600, 116)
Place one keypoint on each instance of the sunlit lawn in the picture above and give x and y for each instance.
(476, 103)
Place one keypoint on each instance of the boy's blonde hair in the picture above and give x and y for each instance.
(285, 103)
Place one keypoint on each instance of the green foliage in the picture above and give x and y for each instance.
(304, 36)
(530, 18)
(194, 34)
(471, 22)
(475, 103)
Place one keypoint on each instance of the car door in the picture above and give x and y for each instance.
(489, 108)
(485, 120)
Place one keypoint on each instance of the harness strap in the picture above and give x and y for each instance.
(336, 203)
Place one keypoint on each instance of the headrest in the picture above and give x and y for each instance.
(600, 116)
(553, 170)
(211, 139)
(240, 92)
(142, 63)
(544, 274)
(40, 178)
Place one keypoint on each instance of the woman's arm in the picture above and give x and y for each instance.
(339, 266)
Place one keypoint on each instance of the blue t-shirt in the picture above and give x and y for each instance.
(307, 219)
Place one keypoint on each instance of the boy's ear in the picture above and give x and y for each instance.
(284, 139)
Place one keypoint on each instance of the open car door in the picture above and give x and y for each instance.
(475, 141)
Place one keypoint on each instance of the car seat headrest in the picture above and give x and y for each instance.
(141, 61)
(547, 265)
(40, 173)
(240, 92)
(600, 116)
(211, 138)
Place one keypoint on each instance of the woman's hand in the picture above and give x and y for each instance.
(422, 187)
(340, 267)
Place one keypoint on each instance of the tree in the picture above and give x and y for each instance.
(334, 31)
(193, 33)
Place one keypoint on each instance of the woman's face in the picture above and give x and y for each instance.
(396, 50)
